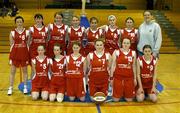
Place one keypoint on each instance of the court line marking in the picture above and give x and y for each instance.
(90, 104)
(98, 108)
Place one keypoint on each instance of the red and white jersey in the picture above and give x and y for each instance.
(58, 67)
(147, 71)
(19, 38)
(112, 37)
(42, 67)
(74, 66)
(58, 33)
(99, 66)
(19, 45)
(93, 35)
(124, 63)
(132, 35)
(39, 35)
(76, 34)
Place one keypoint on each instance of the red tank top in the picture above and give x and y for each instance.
(93, 35)
(98, 71)
(58, 71)
(39, 36)
(58, 33)
(76, 35)
(74, 67)
(147, 71)
(19, 46)
(124, 64)
(132, 35)
(111, 38)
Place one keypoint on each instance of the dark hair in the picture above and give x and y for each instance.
(58, 45)
(38, 16)
(76, 43)
(147, 46)
(19, 17)
(58, 13)
(129, 18)
(93, 18)
(151, 13)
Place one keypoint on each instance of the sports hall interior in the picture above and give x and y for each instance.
(168, 72)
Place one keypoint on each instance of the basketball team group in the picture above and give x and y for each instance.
(65, 59)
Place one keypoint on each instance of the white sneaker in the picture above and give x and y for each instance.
(10, 90)
(25, 91)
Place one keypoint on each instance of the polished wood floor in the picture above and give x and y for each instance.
(169, 99)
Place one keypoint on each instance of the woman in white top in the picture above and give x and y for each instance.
(149, 33)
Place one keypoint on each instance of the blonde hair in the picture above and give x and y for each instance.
(111, 17)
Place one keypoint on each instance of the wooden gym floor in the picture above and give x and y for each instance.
(169, 99)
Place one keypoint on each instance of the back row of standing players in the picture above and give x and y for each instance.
(28, 42)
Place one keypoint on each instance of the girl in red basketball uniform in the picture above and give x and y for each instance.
(146, 74)
(57, 83)
(75, 69)
(38, 35)
(123, 71)
(57, 32)
(130, 32)
(40, 79)
(98, 63)
(75, 33)
(112, 35)
(92, 33)
(19, 56)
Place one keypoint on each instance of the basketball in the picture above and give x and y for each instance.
(99, 97)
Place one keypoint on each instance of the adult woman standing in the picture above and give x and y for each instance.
(149, 34)
(18, 42)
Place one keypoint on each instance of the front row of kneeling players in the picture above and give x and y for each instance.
(68, 73)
